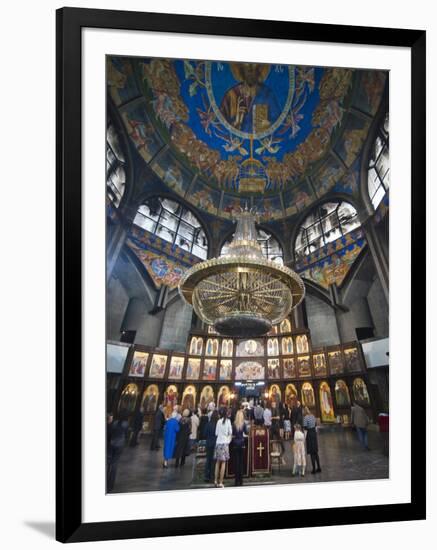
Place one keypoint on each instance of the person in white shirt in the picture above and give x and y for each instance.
(299, 453)
(267, 417)
(211, 409)
(194, 428)
(223, 432)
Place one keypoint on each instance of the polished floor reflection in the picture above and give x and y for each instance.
(341, 457)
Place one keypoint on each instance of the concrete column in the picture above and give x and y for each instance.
(335, 300)
(117, 238)
(382, 231)
(298, 317)
(322, 322)
(357, 316)
(137, 317)
(134, 315)
(378, 256)
(214, 248)
(115, 245)
(288, 258)
(360, 312)
(176, 325)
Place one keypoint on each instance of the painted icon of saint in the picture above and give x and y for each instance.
(250, 105)
(326, 400)
(250, 347)
(224, 398)
(188, 400)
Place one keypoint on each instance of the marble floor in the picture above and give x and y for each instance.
(341, 458)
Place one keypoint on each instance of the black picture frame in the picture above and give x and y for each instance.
(70, 22)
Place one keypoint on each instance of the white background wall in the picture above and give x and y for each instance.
(27, 134)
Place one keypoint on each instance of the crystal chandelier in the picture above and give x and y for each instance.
(241, 293)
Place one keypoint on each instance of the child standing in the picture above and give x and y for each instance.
(299, 451)
(287, 421)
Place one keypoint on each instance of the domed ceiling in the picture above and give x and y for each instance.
(223, 135)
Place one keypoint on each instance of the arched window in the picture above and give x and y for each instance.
(115, 172)
(325, 224)
(271, 248)
(174, 223)
(378, 179)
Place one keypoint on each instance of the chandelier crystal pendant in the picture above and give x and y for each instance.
(241, 293)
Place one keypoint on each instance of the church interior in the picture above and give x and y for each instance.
(247, 212)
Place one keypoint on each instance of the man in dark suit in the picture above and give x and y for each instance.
(258, 414)
(296, 415)
(360, 420)
(158, 424)
(137, 426)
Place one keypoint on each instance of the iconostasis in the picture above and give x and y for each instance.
(283, 365)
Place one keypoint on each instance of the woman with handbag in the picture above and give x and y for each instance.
(223, 432)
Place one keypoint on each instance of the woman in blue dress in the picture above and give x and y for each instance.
(170, 431)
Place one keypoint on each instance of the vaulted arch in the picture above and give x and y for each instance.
(173, 222)
(326, 223)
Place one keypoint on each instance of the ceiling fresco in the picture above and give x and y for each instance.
(225, 134)
(164, 262)
(331, 263)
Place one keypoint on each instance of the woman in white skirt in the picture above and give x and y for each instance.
(299, 453)
(223, 431)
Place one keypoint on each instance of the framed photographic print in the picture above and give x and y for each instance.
(228, 192)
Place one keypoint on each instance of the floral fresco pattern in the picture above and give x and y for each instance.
(164, 262)
(246, 133)
(330, 264)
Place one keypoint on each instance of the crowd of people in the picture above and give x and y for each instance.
(226, 429)
(224, 432)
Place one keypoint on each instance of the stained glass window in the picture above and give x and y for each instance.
(115, 172)
(174, 223)
(325, 224)
(378, 179)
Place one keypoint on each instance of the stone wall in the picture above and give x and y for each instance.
(176, 325)
(321, 322)
(130, 297)
(358, 313)
(117, 301)
(378, 309)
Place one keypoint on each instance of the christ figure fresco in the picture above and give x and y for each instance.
(250, 105)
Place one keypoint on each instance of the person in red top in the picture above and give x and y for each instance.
(383, 422)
